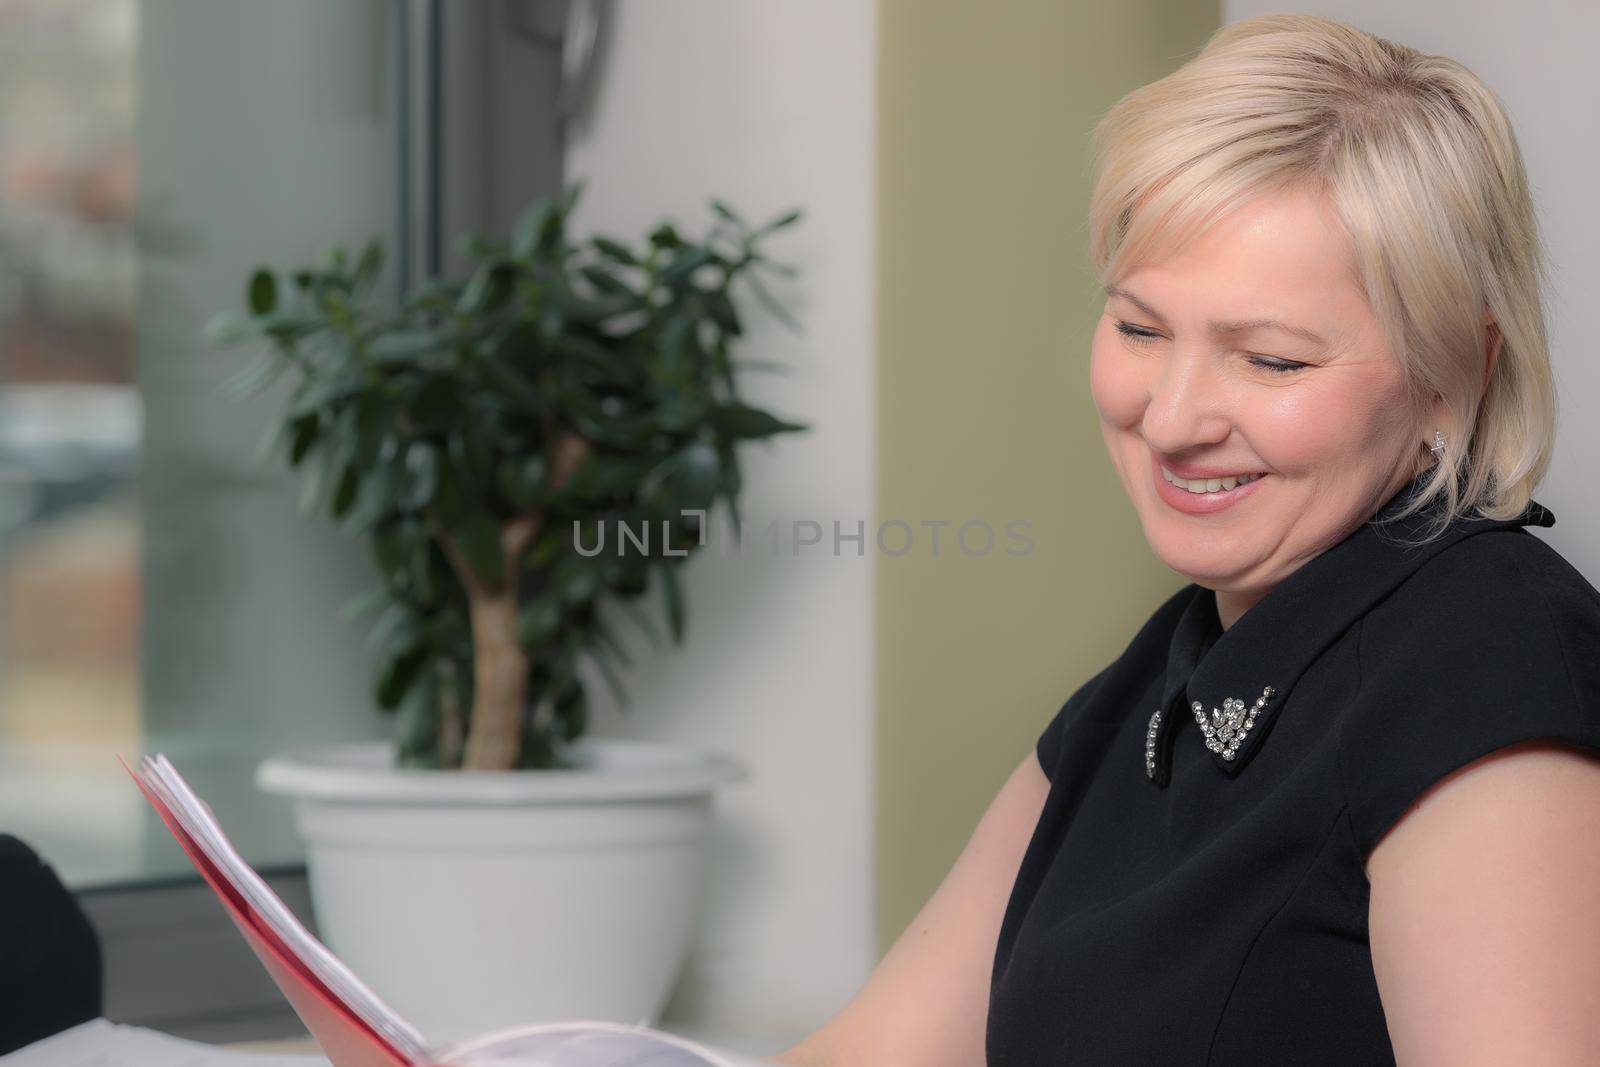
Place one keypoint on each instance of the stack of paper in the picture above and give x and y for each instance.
(102, 1043)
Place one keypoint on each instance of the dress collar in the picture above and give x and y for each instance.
(1242, 676)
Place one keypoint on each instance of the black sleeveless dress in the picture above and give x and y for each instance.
(1194, 893)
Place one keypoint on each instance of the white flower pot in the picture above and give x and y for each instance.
(471, 901)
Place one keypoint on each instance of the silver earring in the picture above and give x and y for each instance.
(1437, 448)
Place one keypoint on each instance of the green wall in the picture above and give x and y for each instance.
(986, 306)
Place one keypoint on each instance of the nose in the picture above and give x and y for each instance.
(1187, 404)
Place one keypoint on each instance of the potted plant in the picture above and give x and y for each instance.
(482, 438)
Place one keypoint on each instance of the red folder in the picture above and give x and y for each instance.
(354, 1027)
(347, 1040)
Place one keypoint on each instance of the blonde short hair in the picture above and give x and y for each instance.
(1418, 160)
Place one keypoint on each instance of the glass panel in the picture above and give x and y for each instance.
(70, 419)
(160, 589)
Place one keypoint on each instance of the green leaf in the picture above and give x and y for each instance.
(666, 236)
(573, 193)
(615, 250)
(359, 604)
(477, 538)
(732, 483)
(721, 311)
(370, 266)
(422, 571)
(436, 405)
(684, 264)
(770, 366)
(389, 624)
(286, 329)
(522, 482)
(677, 349)
(450, 499)
(727, 212)
(230, 328)
(636, 616)
(486, 290)
(516, 385)
(538, 230)
(311, 486)
(254, 378)
(471, 454)
(315, 395)
(695, 477)
(680, 411)
(788, 218)
(768, 301)
(605, 638)
(396, 676)
(417, 726)
(579, 585)
(529, 225)
(272, 435)
(344, 494)
(422, 475)
(402, 345)
(743, 422)
(674, 599)
(606, 282)
(604, 475)
(380, 494)
(539, 621)
(785, 270)
(372, 427)
(390, 545)
(305, 429)
(262, 294)
(476, 246)
(609, 673)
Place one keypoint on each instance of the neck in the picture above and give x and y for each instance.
(1233, 603)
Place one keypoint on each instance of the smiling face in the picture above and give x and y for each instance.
(1314, 411)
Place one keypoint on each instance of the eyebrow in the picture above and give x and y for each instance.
(1227, 328)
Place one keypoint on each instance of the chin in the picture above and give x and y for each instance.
(1213, 574)
(1200, 563)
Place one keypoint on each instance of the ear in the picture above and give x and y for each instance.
(1494, 339)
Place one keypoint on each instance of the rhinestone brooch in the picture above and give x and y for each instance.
(1224, 729)
(1150, 745)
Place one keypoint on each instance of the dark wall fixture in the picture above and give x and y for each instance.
(486, 93)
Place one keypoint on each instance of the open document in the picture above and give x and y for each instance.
(354, 1027)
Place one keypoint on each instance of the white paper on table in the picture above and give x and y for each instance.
(103, 1043)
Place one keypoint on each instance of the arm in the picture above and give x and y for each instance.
(927, 1001)
(1483, 913)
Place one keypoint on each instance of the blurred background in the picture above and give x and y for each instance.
(159, 590)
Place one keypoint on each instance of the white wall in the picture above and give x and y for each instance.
(769, 106)
(1539, 61)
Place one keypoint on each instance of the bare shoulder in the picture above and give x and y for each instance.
(927, 1001)
(1484, 893)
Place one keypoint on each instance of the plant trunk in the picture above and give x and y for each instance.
(500, 683)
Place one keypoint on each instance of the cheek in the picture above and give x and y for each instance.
(1114, 382)
(1301, 430)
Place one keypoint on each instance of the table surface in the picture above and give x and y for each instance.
(750, 1044)
(289, 1044)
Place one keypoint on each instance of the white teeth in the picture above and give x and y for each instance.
(1200, 486)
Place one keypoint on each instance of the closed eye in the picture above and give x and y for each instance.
(1282, 366)
(1140, 336)
(1135, 334)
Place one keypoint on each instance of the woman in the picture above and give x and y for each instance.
(1336, 801)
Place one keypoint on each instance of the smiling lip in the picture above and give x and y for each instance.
(1199, 503)
(1195, 474)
